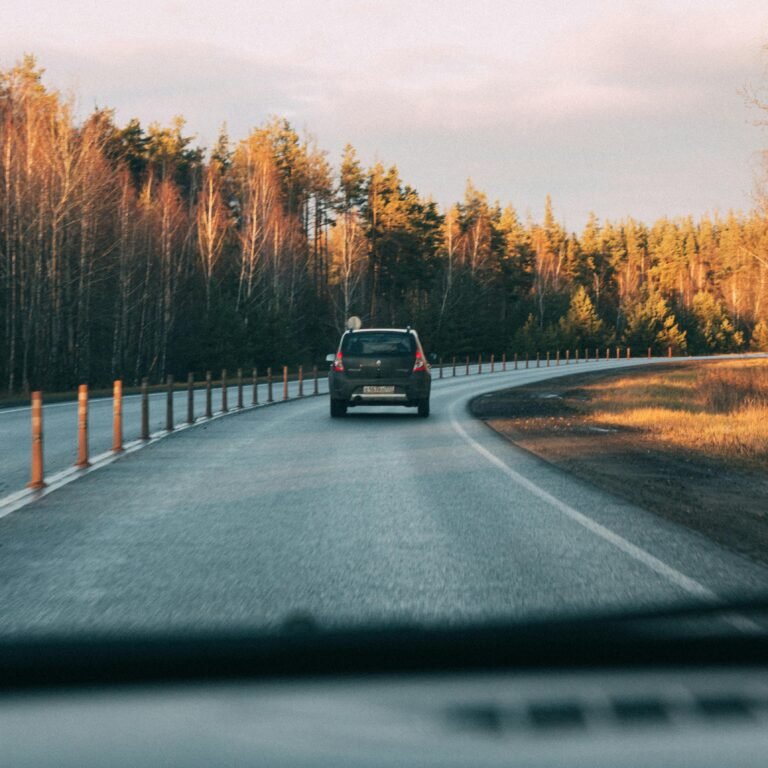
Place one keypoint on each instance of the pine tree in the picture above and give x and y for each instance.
(713, 330)
(651, 324)
(581, 326)
(351, 189)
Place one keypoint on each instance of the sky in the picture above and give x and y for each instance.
(621, 108)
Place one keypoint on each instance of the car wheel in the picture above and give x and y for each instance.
(338, 408)
(424, 408)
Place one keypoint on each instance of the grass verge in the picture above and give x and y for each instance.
(716, 410)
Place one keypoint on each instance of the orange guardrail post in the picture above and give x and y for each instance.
(145, 409)
(117, 416)
(301, 381)
(285, 382)
(239, 387)
(269, 386)
(467, 373)
(169, 404)
(82, 427)
(493, 363)
(503, 361)
(36, 481)
(208, 395)
(224, 401)
(255, 377)
(190, 398)
(547, 359)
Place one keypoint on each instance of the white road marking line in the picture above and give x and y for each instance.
(689, 585)
(25, 496)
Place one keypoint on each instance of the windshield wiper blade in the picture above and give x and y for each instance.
(628, 639)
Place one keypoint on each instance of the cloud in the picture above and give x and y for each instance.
(633, 65)
(157, 80)
(603, 104)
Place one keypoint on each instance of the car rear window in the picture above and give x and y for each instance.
(378, 344)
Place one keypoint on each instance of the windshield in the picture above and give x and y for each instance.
(514, 192)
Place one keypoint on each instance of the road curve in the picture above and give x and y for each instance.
(379, 516)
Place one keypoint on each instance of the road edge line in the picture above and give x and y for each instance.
(19, 499)
(672, 575)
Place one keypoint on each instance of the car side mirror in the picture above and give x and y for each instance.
(330, 358)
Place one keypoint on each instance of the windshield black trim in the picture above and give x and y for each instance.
(629, 640)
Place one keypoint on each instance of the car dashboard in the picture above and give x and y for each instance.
(662, 717)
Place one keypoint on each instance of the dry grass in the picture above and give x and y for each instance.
(716, 409)
(732, 389)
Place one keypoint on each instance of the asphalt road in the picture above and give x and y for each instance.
(280, 511)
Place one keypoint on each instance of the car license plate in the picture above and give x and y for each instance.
(378, 390)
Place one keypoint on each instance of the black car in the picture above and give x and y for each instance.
(379, 366)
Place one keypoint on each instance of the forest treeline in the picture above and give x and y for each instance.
(127, 251)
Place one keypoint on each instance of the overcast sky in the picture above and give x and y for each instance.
(622, 108)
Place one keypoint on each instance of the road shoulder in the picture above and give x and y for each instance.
(727, 503)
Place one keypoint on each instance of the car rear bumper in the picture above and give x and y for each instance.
(406, 392)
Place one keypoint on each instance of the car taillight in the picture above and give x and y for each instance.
(418, 363)
(338, 363)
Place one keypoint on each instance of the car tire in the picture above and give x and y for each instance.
(338, 408)
(424, 408)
